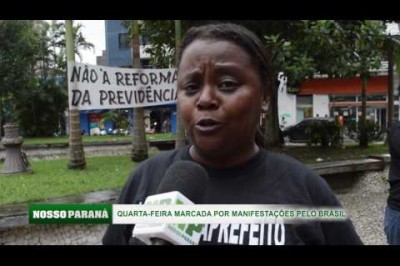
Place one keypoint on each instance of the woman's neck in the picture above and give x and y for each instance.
(228, 161)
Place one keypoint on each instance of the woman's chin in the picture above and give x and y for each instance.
(210, 148)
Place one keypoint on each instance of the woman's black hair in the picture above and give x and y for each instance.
(240, 36)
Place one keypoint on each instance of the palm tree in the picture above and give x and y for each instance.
(56, 32)
(180, 131)
(139, 148)
(76, 153)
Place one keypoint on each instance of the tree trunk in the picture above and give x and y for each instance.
(139, 147)
(180, 129)
(76, 152)
(390, 107)
(271, 130)
(362, 127)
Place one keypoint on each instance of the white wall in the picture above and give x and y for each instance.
(321, 105)
(286, 102)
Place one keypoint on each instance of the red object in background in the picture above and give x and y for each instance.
(376, 84)
(94, 117)
(341, 121)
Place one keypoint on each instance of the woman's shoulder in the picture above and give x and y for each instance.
(164, 158)
(284, 161)
(295, 174)
(290, 169)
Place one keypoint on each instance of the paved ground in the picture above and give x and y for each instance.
(365, 204)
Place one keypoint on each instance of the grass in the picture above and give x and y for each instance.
(52, 179)
(86, 139)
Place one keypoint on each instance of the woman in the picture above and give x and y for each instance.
(222, 77)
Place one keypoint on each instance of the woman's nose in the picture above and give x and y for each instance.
(207, 99)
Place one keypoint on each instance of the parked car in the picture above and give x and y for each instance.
(301, 132)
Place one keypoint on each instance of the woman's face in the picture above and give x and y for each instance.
(219, 97)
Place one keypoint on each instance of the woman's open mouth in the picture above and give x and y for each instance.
(208, 125)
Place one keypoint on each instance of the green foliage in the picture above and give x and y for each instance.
(372, 130)
(392, 49)
(33, 64)
(289, 58)
(19, 45)
(55, 45)
(366, 43)
(161, 35)
(119, 116)
(41, 108)
(326, 134)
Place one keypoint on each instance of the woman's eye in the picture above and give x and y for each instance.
(191, 88)
(228, 86)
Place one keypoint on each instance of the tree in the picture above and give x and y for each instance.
(392, 51)
(41, 105)
(160, 34)
(298, 48)
(335, 48)
(367, 44)
(40, 108)
(56, 32)
(33, 89)
(76, 152)
(180, 129)
(139, 149)
(19, 45)
(55, 47)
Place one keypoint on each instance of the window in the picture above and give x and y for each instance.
(124, 41)
(342, 98)
(304, 100)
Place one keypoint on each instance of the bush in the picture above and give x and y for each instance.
(41, 109)
(373, 130)
(327, 134)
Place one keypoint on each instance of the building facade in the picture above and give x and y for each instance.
(337, 97)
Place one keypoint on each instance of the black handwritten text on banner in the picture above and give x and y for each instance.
(99, 87)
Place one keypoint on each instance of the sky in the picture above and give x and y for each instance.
(94, 32)
(393, 28)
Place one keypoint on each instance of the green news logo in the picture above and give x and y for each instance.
(70, 213)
